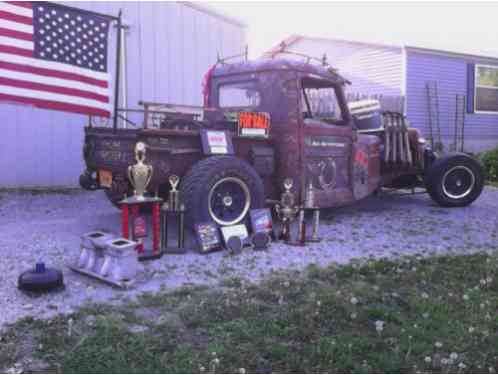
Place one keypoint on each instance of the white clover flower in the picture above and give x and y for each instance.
(319, 303)
(353, 316)
(444, 361)
(462, 365)
(353, 300)
(427, 359)
(242, 370)
(216, 361)
(465, 297)
(471, 329)
(453, 356)
(425, 315)
(425, 295)
(379, 326)
(286, 284)
(438, 344)
(489, 279)
(202, 369)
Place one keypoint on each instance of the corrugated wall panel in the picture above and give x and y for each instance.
(169, 48)
(371, 69)
(450, 73)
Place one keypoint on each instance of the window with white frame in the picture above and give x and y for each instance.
(486, 88)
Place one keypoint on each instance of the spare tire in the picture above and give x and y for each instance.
(455, 180)
(221, 190)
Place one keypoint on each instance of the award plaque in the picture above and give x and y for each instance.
(261, 221)
(239, 230)
(208, 237)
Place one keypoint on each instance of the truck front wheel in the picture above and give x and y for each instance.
(221, 189)
(454, 180)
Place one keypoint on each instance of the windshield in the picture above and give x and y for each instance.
(320, 101)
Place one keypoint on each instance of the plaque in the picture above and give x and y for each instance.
(216, 142)
(208, 237)
(239, 230)
(261, 221)
(139, 227)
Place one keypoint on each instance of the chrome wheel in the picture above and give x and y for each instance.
(458, 182)
(229, 201)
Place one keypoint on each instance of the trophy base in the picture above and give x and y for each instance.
(174, 250)
(295, 243)
(150, 255)
(313, 239)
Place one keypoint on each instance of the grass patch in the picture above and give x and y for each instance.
(429, 315)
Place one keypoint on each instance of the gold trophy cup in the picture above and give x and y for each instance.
(140, 173)
(286, 209)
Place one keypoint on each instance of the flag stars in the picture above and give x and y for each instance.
(70, 38)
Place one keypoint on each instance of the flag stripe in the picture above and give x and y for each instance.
(22, 11)
(51, 73)
(18, 43)
(35, 94)
(16, 18)
(38, 78)
(97, 77)
(51, 88)
(16, 34)
(23, 4)
(55, 105)
(16, 26)
(16, 51)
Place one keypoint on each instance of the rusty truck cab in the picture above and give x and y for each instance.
(312, 137)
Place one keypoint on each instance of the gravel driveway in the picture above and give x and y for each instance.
(48, 226)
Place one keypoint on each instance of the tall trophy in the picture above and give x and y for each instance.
(310, 204)
(140, 173)
(286, 210)
(177, 209)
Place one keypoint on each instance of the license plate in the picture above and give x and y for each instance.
(105, 178)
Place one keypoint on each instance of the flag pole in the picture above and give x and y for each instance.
(117, 72)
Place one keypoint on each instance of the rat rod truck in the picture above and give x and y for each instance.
(269, 120)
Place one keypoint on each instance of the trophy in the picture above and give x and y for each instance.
(140, 173)
(174, 194)
(286, 210)
(309, 203)
(173, 206)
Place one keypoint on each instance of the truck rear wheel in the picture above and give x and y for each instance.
(454, 180)
(222, 190)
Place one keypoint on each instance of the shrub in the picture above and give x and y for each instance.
(489, 160)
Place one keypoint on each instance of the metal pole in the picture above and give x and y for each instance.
(125, 76)
(118, 65)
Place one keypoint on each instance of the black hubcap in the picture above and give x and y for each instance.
(458, 182)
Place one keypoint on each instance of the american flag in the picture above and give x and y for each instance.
(54, 57)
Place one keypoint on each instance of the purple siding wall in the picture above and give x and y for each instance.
(371, 69)
(481, 130)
